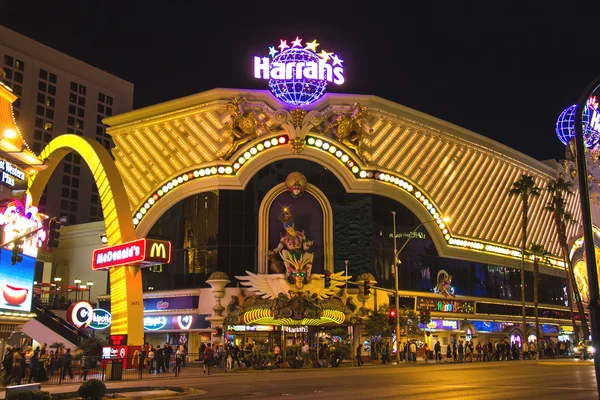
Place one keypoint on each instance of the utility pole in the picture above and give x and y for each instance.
(397, 298)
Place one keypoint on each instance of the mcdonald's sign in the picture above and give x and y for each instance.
(142, 252)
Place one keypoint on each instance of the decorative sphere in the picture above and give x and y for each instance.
(297, 92)
(565, 127)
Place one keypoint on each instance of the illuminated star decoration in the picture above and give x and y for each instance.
(312, 45)
(325, 55)
(593, 103)
(336, 60)
(272, 51)
(297, 42)
(283, 45)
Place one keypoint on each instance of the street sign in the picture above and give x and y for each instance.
(143, 252)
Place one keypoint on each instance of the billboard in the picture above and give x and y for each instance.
(16, 282)
(143, 252)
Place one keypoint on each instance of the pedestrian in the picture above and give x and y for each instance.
(150, 359)
(413, 352)
(67, 365)
(167, 352)
(159, 359)
(526, 351)
(7, 363)
(461, 351)
(42, 375)
(455, 352)
(426, 353)
(236, 355)
(478, 349)
(437, 348)
(276, 353)
(384, 354)
(34, 364)
(359, 360)
(18, 365)
(208, 358)
(449, 353)
(532, 351)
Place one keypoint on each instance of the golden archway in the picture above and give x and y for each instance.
(125, 282)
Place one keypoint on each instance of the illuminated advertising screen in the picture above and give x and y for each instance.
(16, 282)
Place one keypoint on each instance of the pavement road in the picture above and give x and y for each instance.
(556, 379)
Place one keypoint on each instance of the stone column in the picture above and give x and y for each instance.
(218, 280)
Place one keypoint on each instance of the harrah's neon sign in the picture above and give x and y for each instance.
(297, 73)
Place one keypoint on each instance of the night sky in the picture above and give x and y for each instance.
(503, 71)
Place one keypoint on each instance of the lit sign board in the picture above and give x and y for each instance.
(297, 73)
(154, 323)
(143, 252)
(101, 319)
(296, 329)
(20, 218)
(451, 306)
(16, 282)
(9, 173)
(82, 313)
(250, 328)
(183, 322)
(444, 324)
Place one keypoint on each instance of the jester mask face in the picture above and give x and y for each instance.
(296, 184)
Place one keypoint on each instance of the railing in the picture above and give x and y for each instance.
(133, 368)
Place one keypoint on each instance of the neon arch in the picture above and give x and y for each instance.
(126, 282)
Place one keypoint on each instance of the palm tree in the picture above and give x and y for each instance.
(559, 188)
(524, 188)
(539, 253)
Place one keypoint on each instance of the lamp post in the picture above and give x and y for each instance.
(77, 282)
(588, 234)
(397, 294)
(89, 285)
(57, 280)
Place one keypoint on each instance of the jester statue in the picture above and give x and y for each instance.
(293, 248)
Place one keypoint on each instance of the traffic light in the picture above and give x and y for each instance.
(425, 317)
(17, 251)
(367, 288)
(392, 317)
(53, 234)
(327, 279)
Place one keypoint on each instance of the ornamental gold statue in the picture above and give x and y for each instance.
(243, 126)
(350, 130)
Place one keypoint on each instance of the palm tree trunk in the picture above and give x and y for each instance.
(523, 247)
(584, 324)
(536, 278)
(570, 301)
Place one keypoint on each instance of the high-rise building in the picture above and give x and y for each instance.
(59, 94)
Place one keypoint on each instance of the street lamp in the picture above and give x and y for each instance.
(89, 284)
(396, 254)
(77, 282)
(57, 280)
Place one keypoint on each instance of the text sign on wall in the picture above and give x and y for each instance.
(451, 306)
(9, 173)
(143, 252)
(444, 324)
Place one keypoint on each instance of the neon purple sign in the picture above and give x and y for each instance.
(297, 74)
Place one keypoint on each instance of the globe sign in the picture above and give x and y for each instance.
(297, 74)
(565, 124)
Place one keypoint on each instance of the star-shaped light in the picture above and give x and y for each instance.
(272, 51)
(297, 42)
(283, 45)
(312, 45)
(336, 60)
(325, 55)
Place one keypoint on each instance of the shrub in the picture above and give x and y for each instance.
(32, 395)
(92, 390)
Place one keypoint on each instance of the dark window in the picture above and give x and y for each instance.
(64, 205)
(43, 74)
(50, 101)
(109, 100)
(9, 73)
(66, 180)
(101, 97)
(99, 130)
(108, 111)
(47, 137)
(107, 144)
(72, 219)
(39, 123)
(65, 192)
(20, 65)
(18, 77)
(67, 168)
(76, 170)
(73, 98)
(17, 89)
(69, 157)
(80, 133)
(42, 86)
(70, 121)
(93, 211)
(17, 103)
(99, 140)
(82, 90)
(101, 108)
(39, 110)
(73, 207)
(80, 112)
(74, 194)
(72, 109)
(99, 119)
(94, 199)
(81, 101)
(77, 159)
(41, 98)
(52, 77)
(8, 60)
(37, 147)
(37, 135)
(52, 90)
(73, 86)
(48, 126)
(49, 113)
(75, 183)
(79, 124)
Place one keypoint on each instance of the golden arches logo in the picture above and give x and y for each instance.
(158, 250)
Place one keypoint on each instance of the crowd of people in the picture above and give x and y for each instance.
(158, 359)
(25, 365)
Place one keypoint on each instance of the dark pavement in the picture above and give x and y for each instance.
(548, 379)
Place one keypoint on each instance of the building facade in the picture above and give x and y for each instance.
(59, 94)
